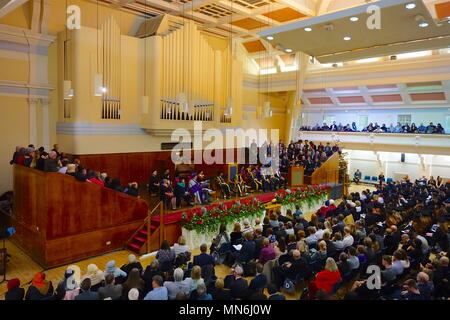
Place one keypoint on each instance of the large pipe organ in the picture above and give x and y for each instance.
(185, 78)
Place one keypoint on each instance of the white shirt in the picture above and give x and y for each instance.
(179, 249)
(63, 170)
(348, 241)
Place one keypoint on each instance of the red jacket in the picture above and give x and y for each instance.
(325, 280)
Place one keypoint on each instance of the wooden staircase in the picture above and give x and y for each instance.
(149, 235)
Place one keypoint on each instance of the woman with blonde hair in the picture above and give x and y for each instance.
(195, 279)
(95, 275)
(326, 279)
(180, 246)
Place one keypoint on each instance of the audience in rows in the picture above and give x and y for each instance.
(406, 235)
(56, 161)
(375, 127)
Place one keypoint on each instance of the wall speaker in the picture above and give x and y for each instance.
(402, 158)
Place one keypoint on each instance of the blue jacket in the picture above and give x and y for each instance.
(203, 259)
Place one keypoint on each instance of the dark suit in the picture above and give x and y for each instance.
(238, 288)
(203, 259)
(110, 291)
(258, 282)
(87, 295)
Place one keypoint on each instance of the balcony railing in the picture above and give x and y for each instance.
(438, 144)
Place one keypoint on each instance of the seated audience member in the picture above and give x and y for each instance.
(326, 279)
(388, 274)
(112, 269)
(40, 288)
(165, 256)
(410, 291)
(357, 176)
(219, 293)
(151, 271)
(132, 263)
(195, 278)
(202, 294)
(86, 293)
(133, 281)
(181, 192)
(247, 227)
(96, 275)
(52, 163)
(343, 266)
(159, 292)
(238, 285)
(291, 269)
(267, 252)
(236, 235)
(180, 246)
(273, 293)
(203, 258)
(133, 294)
(352, 259)
(348, 238)
(247, 251)
(177, 285)
(111, 290)
(15, 292)
(71, 169)
(71, 281)
(425, 286)
(81, 173)
(259, 282)
(132, 189)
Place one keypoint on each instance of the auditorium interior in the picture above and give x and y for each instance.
(314, 133)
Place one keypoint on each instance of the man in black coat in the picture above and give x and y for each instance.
(203, 258)
(238, 285)
(86, 293)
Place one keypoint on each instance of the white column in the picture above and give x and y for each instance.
(32, 106)
(45, 123)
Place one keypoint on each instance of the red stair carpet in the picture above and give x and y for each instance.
(140, 238)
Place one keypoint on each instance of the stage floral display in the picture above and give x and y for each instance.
(203, 220)
(306, 196)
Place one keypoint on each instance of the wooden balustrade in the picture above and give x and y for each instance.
(328, 172)
(60, 219)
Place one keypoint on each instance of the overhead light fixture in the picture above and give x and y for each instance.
(423, 24)
(347, 38)
(413, 54)
(410, 6)
(308, 29)
(354, 19)
(367, 60)
(288, 50)
(269, 38)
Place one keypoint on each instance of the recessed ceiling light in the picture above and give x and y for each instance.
(288, 50)
(347, 38)
(308, 29)
(269, 38)
(423, 24)
(354, 19)
(410, 6)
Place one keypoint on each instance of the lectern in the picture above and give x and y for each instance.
(295, 176)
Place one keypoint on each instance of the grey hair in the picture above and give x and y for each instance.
(178, 275)
(201, 289)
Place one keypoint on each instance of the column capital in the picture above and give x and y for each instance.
(33, 100)
(45, 101)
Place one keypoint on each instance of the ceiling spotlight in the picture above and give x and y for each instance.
(288, 50)
(308, 29)
(410, 6)
(269, 38)
(354, 19)
(423, 24)
(347, 38)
